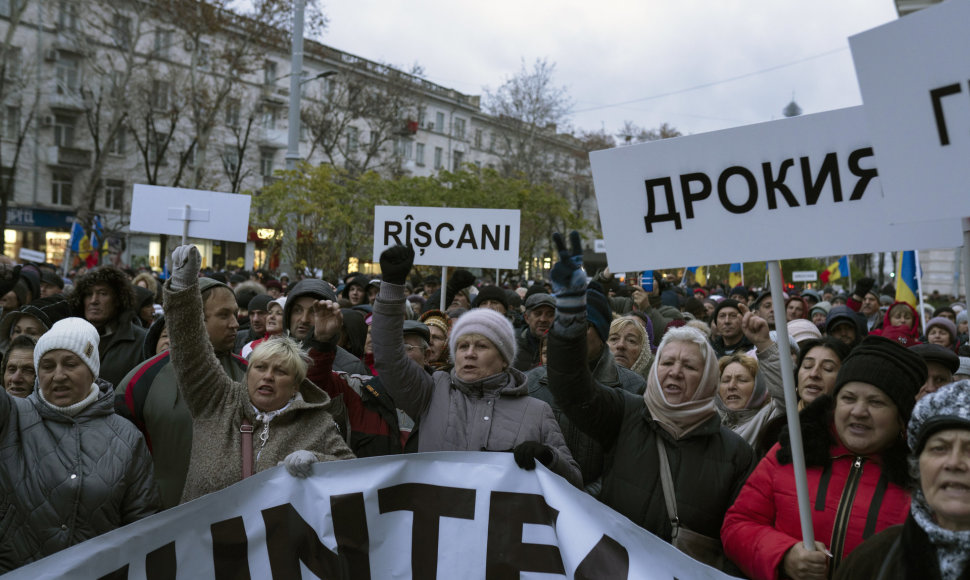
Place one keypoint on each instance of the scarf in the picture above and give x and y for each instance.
(72, 410)
(952, 548)
(680, 419)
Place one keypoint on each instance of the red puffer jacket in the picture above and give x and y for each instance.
(851, 498)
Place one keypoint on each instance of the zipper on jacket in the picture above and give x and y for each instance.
(841, 523)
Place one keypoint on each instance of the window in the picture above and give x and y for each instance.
(114, 191)
(267, 117)
(230, 160)
(64, 130)
(118, 145)
(353, 136)
(437, 157)
(269, 73)
(121, 31)
(478, 138)
(205, 52)
(419, 154)
(163, 42)
(156, 148)
(160, 94)
(422, 117)
(374, 137)
(5, 6)
(232, 112)
(67, 74)
(62, 186)
(6, 180)
(439, 122)
(457, 158)
(67, 16)
(11, 122)
(266, 158)
(458, 128)
(403, 148)
(491, 143)
(11, 63)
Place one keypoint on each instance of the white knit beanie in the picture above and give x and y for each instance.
(76, 335)
(491, 325)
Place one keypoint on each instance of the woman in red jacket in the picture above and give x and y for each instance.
(858, 477)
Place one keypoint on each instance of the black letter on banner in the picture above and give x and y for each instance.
(488, 236)
(119, 574)
(689, 196)
(467, 237)
(350, 530)
(230, 551)
(829, 168)
(388, 233)
(437, 235)
(429, 503)
(864, 175)
(506, 555)
(652, 216)
(936, 95)
(160, 564)
(722, 193)
(422, 234)
(772, 185)
(290, 540)
(608, 560)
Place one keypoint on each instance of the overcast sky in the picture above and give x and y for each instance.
(700, 65)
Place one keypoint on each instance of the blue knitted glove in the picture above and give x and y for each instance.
(569, 284)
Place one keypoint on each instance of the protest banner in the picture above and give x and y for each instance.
(914, 76)
(446, 515)
(442, 236)
(805, 186)
(190, 213)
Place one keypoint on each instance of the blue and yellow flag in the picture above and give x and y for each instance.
(736, 275)
(906, 284)
(836, 270)
(77, 232)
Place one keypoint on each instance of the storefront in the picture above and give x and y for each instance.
(39, 229)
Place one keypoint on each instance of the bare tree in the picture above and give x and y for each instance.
(632, 133)
(530, 108)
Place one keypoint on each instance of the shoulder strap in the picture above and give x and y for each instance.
(247, 447)
(667, 481)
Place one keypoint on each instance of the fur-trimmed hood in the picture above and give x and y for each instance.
(819, 441)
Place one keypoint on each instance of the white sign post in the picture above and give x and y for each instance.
(914, 76)
(190, 213)
(477, 238)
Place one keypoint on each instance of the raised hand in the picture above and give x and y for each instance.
(396, 263)
(327, 320)
(186, 264)
(567, 274)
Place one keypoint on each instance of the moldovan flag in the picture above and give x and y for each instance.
(77, 232)
(836, 270)
(699, 276)
(906, 284)
(736, 275)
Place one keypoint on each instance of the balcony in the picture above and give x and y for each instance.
(68, 157)
(273, 138)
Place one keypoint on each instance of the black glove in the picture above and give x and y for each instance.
(396, 263)
(8, 278)
(459, 280)
(527, 452)
(863, 286)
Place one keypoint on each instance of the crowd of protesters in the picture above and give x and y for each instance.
(126, 394)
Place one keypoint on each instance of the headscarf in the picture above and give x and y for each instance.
(641, 366)
(679, 420)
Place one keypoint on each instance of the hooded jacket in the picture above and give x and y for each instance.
(218, 405)
(494, 414)
(320, 290)
(905, 335)
(852, 497)
(67, 479)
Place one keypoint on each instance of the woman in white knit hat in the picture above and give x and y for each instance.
(71, 469)
(482, 403)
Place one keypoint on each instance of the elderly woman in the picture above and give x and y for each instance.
(743, 399)
(70, 469)
(439, 323)
(290, 418)
(673, 423)
(858, 479)
(630, 345)
(17, 367)
(934, 541)
(482, 403)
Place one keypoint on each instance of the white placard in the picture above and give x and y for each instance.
(441, 236)
(804, 276)
(445, 515)
(825, 198)
(914, 76)
(599, 246)
(213, 215)
(31, 255)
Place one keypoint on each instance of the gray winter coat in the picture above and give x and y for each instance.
(495, 414)
(66, 479)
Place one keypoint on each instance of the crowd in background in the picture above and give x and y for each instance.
(127, 394)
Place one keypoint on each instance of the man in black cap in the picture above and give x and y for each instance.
(258, 309)
(730, 338)
(298, 319)
(941, 364)
(540, 311)
(763, 306)
(492, 297)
